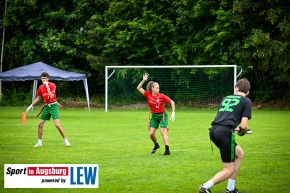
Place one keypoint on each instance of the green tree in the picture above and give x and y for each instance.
(86, 35)
(265, 45)
(50, 31)
(138, 32)
(251, 34)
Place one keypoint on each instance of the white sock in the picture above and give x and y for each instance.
(231, 184)
(65, 139)
(208, 184)
(39, 141)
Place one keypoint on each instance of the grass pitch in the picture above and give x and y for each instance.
(119, 142)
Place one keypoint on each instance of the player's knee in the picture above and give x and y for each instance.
(152, 134)
(228, 172)
(163, 131)
(164, 134)
(40, 125)
(57, 125)
(239, 152)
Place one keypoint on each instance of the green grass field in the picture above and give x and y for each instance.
(119, 142)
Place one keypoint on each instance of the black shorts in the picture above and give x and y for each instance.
(224, 138)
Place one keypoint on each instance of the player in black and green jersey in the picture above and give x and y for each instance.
(233, 115)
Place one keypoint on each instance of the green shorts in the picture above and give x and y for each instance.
(50, 111)
(159, 119)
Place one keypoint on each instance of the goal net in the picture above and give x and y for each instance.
(196, 86)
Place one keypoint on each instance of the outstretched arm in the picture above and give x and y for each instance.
(139, 87)
(36, 100)
(33, 103)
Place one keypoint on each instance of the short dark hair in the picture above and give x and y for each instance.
(44, 74)
(243, 85)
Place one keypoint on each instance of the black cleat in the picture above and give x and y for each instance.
(233, 191)
(167, 152)
(155, 148)
(203, 190)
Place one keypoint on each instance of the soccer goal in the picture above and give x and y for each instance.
(196, 86)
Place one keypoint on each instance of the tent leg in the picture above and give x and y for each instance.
(34, 91)
(87, 94)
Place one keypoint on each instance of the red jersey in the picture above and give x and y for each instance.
(156, 103)
(42, 91)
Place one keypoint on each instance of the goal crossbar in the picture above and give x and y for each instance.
(107, 75)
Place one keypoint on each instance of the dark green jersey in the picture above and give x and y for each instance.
(232, 109)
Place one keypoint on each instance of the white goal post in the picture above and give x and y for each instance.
(177, 78)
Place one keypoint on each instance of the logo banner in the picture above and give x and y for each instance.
(51, 175)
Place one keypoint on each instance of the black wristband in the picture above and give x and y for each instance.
(240, 132)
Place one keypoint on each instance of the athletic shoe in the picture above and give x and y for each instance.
(38, 145)
(202, 189)
(155, 148)
(67, 143)
(167, 152)
(233, 191)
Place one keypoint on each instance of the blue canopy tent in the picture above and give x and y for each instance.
(33, 71)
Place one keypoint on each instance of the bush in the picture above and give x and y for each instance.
(267, 95)
(15, 97)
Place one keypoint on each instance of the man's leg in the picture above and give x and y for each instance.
(237, 164)
(59, 127)
(40, 132)
(238, 161)
(61, 131)
(219, 177)
(228, 169)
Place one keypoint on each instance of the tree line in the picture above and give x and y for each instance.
(87, 35)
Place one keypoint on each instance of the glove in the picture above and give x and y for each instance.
(240, 132)
(172, 118)
(46, 84)
(28, 108)
(249, 131)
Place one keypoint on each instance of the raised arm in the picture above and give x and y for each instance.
(49, 90)
(139, 87)
(36, 100)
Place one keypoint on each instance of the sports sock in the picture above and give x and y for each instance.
(156, 146)
(39, 141)
(231, 184)
(167, 147)
(208, 184)
(167, 152)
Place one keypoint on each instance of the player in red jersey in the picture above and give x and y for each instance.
(47, 91)
(159, 116)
